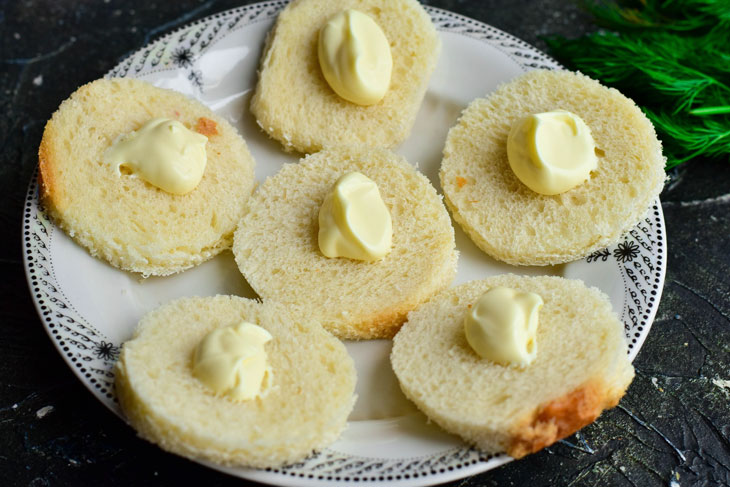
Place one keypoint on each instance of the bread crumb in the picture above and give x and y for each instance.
(206, 127)
(724, 385)
(460, 182)
(44, 411)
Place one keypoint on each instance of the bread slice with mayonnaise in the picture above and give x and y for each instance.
(514, 224)
(276, 244)
(123, 219)
(581, 367)
(305, 408)
(293, 102)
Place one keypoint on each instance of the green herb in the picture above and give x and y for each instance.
(673, 15)
(673, 58)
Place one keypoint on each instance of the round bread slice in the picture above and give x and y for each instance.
(123, 219)
(277, 250)
(305, 409)
(582, 367)
(293, 102)
(514, 224)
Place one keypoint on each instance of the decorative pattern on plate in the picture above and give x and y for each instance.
(180, 49)
(87, 351)
(330, 466)
(519, 50)
(639, 257)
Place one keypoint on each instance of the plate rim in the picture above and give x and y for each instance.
(36, 224)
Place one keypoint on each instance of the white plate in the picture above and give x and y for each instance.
(90, 308)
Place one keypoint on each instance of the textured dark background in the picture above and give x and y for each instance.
(671, 429)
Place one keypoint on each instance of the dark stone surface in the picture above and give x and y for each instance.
(672, 428)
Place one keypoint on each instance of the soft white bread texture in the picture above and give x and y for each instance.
(277, 250)
(306, 407)
(514, 224)
(293, 102)
(123, 219)
(581, 367)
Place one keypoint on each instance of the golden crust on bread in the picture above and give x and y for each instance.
(560, 418)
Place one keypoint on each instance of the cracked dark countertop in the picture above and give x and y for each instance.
(671, 429)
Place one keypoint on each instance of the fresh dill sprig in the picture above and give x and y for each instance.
(673, 15)
(673, 58)
(688, 139)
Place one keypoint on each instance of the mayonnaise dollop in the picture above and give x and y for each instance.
(551, 152)
(354, 221)
(502, 326)
(164, 153)
(231, 361)
(355, 57)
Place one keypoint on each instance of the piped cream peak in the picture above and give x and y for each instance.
(354, 221)
(551, 152)
(164, 153)
(502, 326)
(231, 361)
(355, 57)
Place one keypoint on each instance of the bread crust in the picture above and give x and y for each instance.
(386, 323)
(45, 174)
(561, 417)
